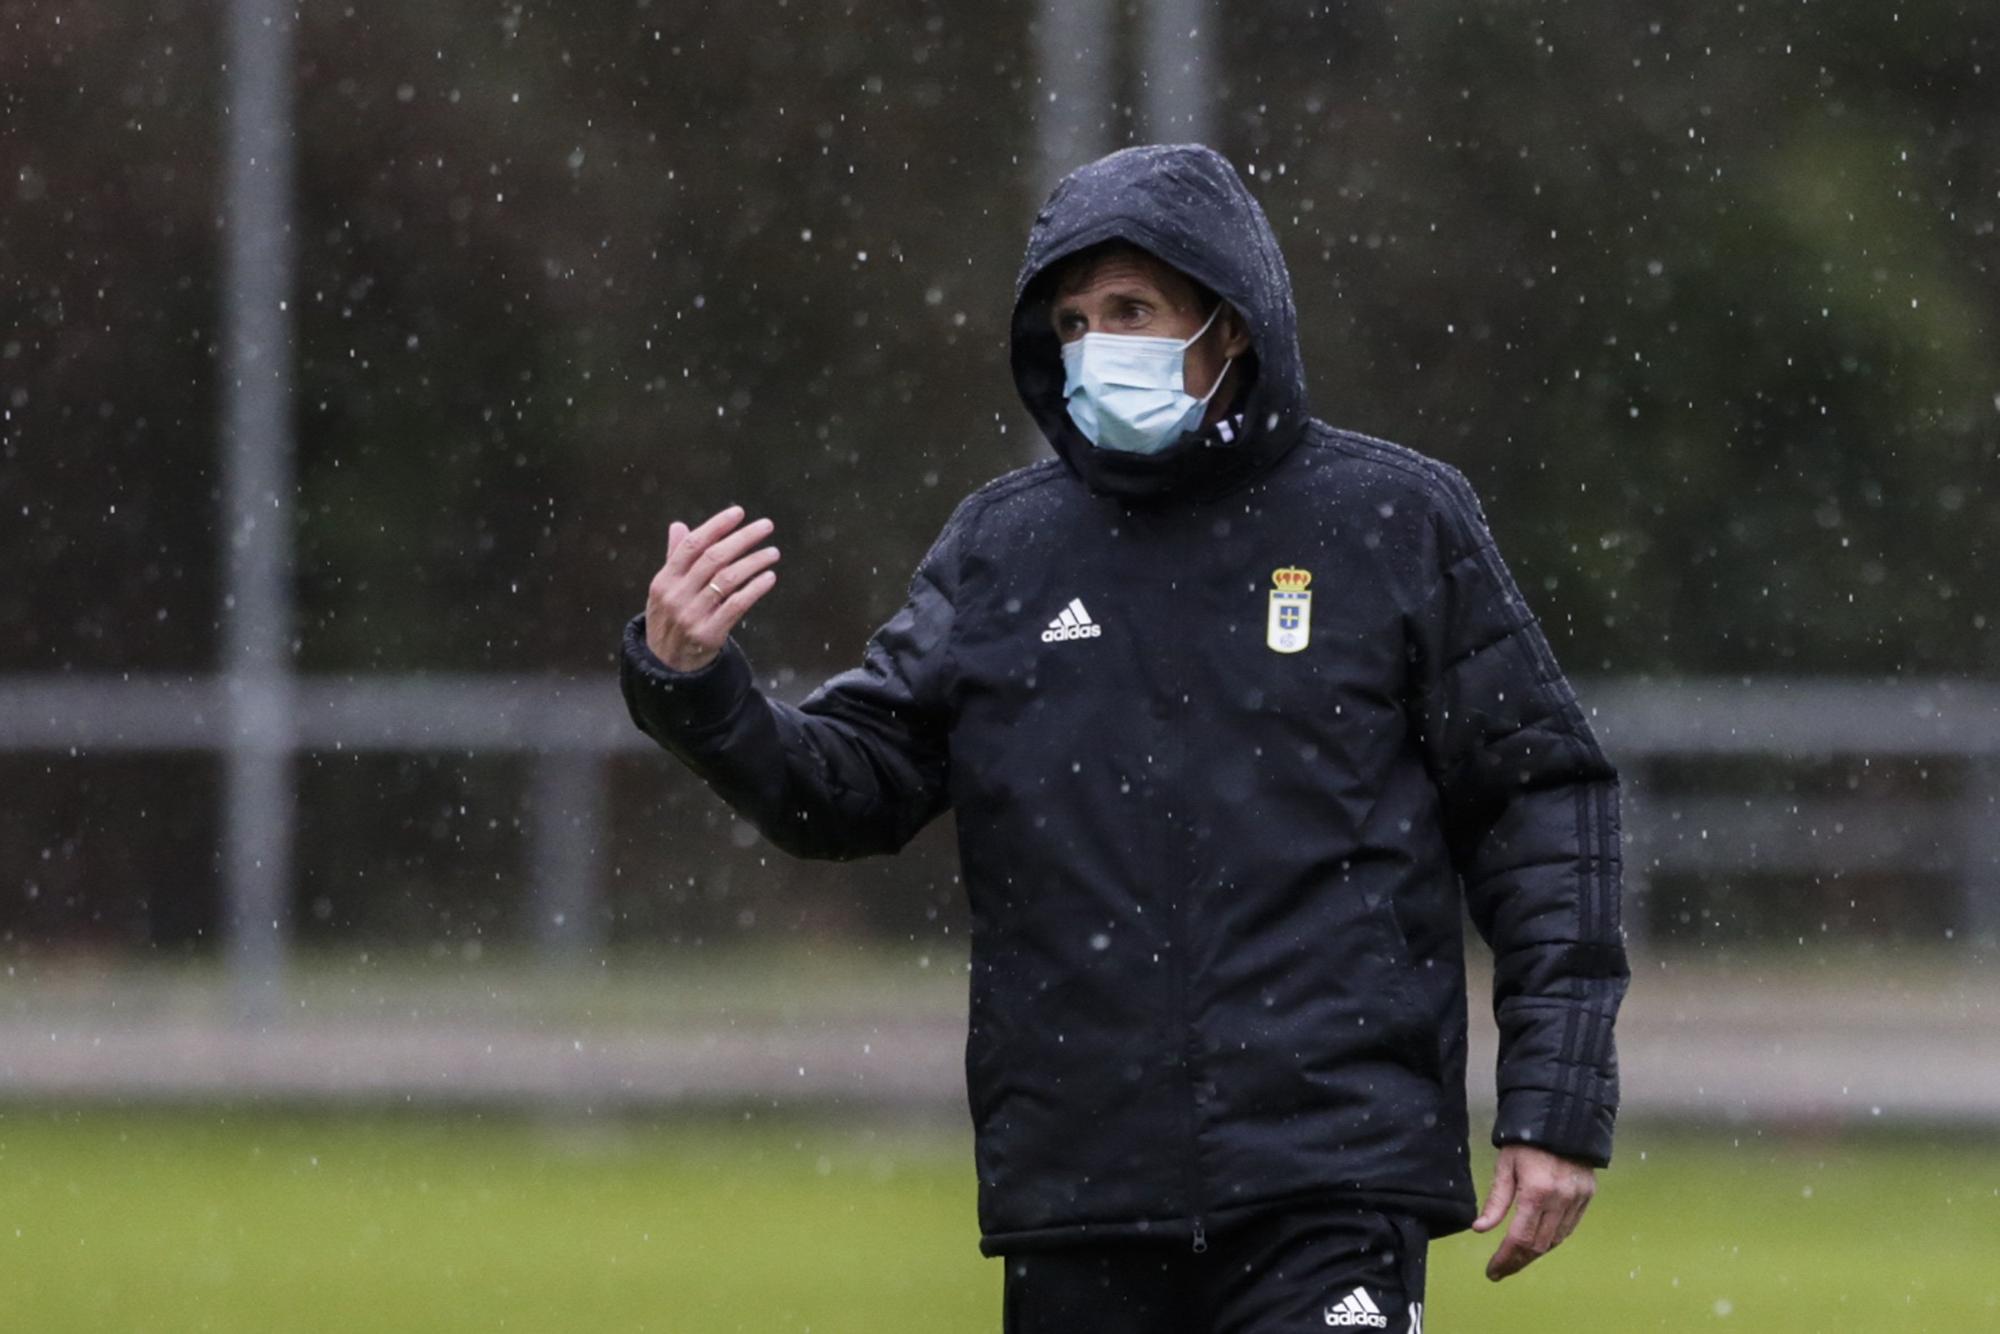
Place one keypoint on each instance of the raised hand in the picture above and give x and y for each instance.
(713, 575)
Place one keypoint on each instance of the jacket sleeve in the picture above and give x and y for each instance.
(856, 768)
(1530, 808)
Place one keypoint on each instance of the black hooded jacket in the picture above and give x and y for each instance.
(1232, 733)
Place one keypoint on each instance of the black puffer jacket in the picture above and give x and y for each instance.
(1215, 887)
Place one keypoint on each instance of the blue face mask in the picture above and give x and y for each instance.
(1126, 392)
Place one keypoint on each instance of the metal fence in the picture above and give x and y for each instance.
(1953, 832)
(571, 727)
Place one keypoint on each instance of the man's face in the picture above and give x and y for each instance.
(1132, 292)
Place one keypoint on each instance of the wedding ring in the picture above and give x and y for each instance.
(718, 592)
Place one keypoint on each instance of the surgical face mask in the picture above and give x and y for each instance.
(1126, 392)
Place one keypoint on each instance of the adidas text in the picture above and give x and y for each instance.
(1356, 1311)
(1074, 623)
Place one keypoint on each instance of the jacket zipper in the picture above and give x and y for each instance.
(1177, 973)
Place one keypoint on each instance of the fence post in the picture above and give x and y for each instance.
(1177, 71)
(256, 647)
(1073, 49)
(1636, 853)
(1979, 871)
(571, 921)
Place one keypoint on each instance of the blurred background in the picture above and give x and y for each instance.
(364, 967)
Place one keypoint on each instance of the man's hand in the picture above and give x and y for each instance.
(712, 576)
(1549, 1193)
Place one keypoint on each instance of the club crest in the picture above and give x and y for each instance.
(1290, 624)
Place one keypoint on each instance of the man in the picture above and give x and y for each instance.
(1235, 709)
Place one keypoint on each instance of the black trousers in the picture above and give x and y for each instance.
(1285, 1273)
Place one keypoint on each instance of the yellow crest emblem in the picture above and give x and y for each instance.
(1290, 625)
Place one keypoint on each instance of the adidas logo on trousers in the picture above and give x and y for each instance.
(1356, 1310)
(1074, 623)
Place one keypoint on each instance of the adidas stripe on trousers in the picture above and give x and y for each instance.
(1284, 1273)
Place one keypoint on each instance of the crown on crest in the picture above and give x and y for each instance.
(1291, 580)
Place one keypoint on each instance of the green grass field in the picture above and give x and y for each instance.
(227, 1221)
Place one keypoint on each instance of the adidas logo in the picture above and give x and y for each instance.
(1356, 1310)
(1074, 623)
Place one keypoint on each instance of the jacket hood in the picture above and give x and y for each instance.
(1184, 204)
